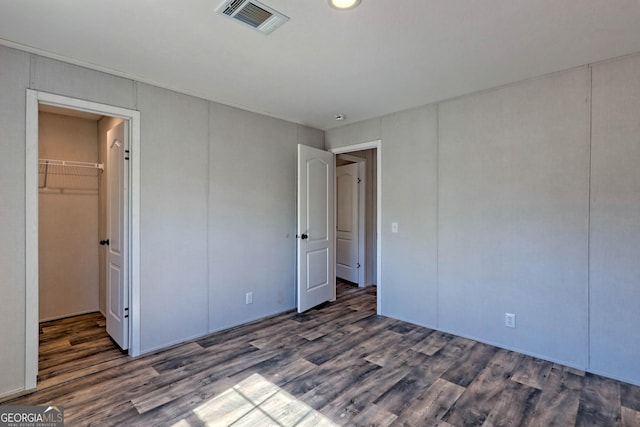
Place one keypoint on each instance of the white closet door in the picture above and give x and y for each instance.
(117, 247)
(347, 248)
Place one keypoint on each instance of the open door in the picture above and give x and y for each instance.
(316, 229)
(117, 303)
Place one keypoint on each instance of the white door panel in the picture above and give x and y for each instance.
(117, 280)
(316, 229)
(317, 271)
(318, 204)
(347, 243)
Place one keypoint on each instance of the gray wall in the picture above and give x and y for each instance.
(215, 181)
(14, 79)
(514, 205)
(173, 216)
(252, 216)
(504, 205)
(409, 197)
(615, 220)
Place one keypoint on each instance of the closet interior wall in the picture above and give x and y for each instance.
(68, 217)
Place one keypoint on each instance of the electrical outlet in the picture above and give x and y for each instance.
(394, 227)
(510, 320)
(248, 298)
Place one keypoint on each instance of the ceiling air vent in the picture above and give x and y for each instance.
(254, 14)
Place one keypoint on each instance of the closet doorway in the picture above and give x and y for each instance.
(82, 205)
(81, 202)
(368, 157)
(356, 217)
(69, 177)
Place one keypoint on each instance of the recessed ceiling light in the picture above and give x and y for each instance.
(344, 4)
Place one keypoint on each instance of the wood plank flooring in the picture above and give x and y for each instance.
(338, 364)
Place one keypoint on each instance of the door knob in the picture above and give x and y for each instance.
(304, 236)
(104, 242)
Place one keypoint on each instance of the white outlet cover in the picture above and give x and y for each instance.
(394, 227)
(510, 320)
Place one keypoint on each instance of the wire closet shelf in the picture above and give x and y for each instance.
(49, 167)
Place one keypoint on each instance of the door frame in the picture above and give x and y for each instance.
(33, 99)
(377, 144)
(362, 191)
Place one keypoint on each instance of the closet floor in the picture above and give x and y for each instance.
(74, 347)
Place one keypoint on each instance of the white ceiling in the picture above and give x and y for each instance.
(384, 56)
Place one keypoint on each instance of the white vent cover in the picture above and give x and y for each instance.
(254, 14)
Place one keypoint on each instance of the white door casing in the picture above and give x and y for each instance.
(117, 298)
(347, 222)
(315, 229)
(33, 99)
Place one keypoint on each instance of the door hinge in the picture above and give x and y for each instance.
(126, 312)
(126, 154)
(358, 265)
(359, 180)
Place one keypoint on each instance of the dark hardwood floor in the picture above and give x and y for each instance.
(338, 364)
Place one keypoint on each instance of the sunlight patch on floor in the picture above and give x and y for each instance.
(257, 402)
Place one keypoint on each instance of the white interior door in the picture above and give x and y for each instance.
(316, 230)
(117, 303)
(347, 247)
